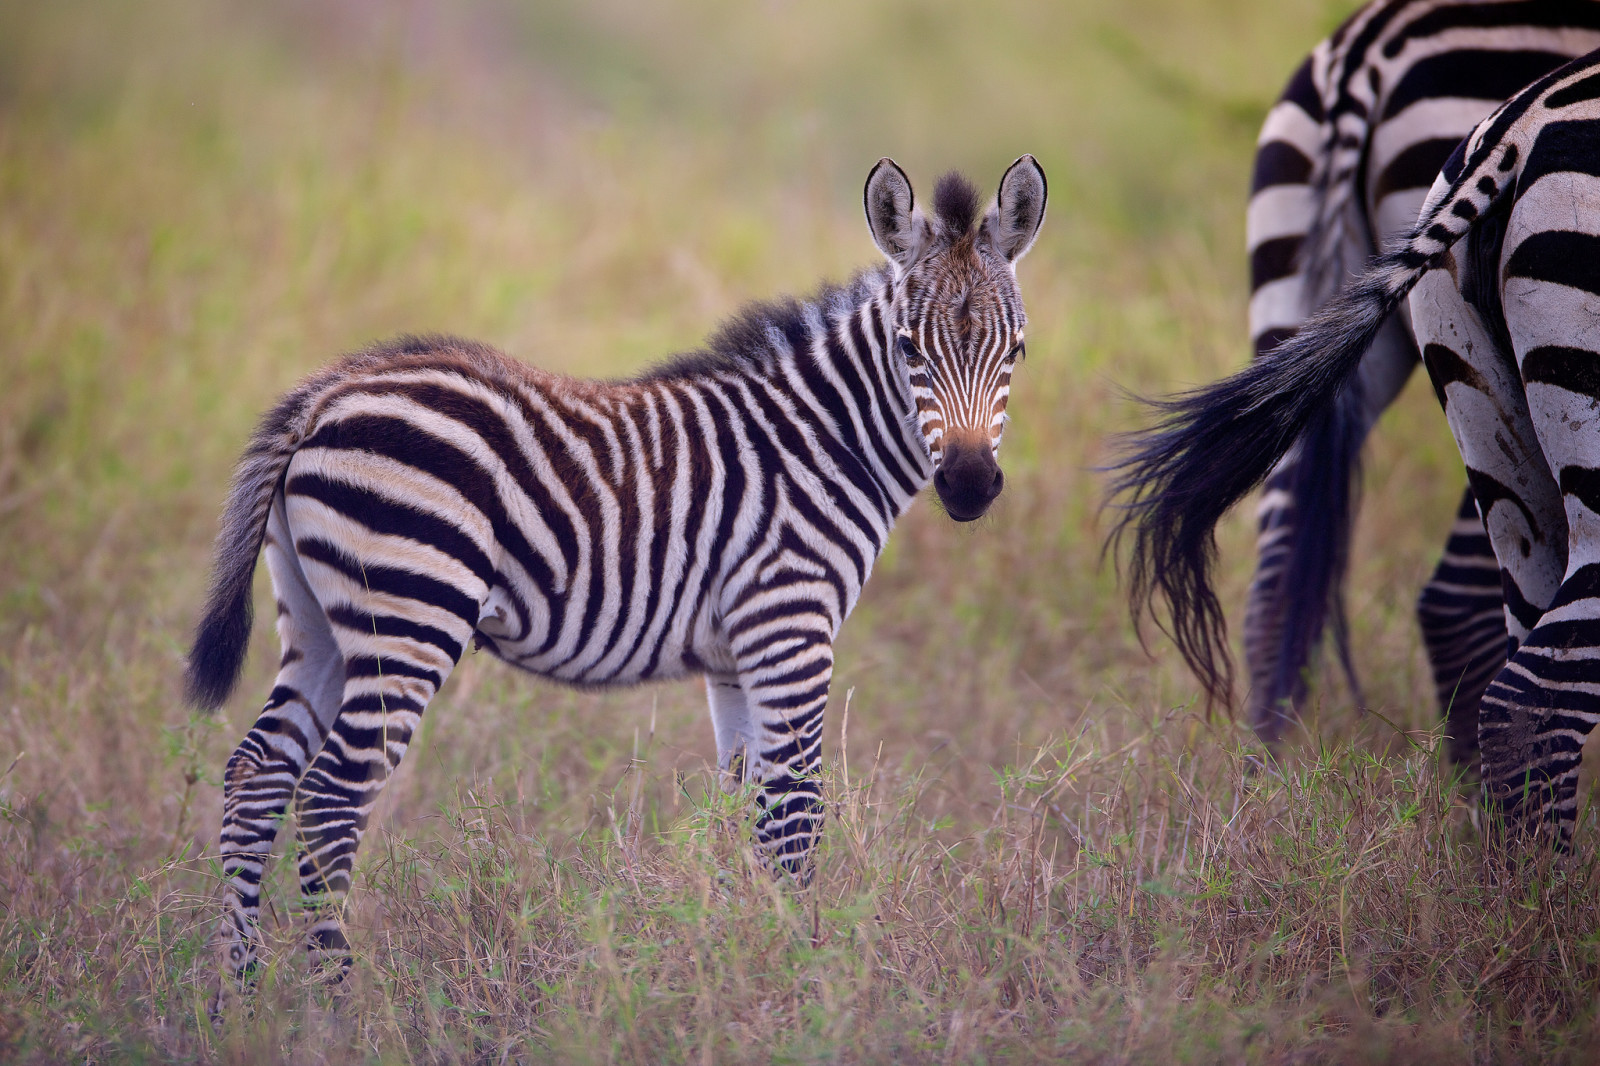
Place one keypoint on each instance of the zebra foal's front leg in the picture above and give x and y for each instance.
(768, 722)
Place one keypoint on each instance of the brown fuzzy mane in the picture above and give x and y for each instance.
(955, 202)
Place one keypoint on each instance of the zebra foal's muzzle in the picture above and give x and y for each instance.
(968, 479)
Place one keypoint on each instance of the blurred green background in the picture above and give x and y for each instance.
(202, 201)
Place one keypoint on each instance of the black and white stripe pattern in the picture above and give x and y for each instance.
(1343, 164)
(1501, 270)
(718, 515)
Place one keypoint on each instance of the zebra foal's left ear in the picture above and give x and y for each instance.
(1013, 222)
(898, 228)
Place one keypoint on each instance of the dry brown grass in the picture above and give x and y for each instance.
(1036, 849)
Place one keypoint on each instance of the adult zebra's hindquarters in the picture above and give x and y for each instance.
(716, 515)
(1343, 163)
(1504, 297)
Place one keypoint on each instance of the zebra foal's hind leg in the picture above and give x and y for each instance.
(401, 635)
(264, 769)
(1462, 614)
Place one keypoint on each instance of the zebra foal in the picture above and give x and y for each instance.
(1503, 273)
(716, 515)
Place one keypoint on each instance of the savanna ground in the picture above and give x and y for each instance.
(1038, 849)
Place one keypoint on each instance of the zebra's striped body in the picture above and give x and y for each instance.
(1502, 273)
(718, 515)
(1343, 163)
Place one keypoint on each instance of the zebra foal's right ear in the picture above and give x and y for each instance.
(1018, 212)
(897, 226)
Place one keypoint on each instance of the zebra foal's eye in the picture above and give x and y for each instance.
(1018, 353)
(909, 352)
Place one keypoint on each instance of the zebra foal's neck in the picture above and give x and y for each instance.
(826, 367)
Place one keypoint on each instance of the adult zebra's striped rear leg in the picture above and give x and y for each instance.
(1540, 709)
(1270, 716)
(1462, 614)
(1304, 520)
(1538, 712)
(1516, 434)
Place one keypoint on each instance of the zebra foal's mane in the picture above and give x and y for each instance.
(744, 342)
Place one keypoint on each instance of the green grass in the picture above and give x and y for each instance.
(1037, 849)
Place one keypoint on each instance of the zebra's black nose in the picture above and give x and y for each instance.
(968, 479)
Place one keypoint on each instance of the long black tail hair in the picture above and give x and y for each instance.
(1210, 447)
(1325, 485)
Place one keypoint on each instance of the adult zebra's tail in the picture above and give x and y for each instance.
(223, 634)
(1307, 596)
(1213, 445)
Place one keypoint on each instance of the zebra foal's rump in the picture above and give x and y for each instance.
(1504, 297)
(717, 515)
(1343, 163)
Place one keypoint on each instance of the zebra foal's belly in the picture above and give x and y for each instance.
(578, 636)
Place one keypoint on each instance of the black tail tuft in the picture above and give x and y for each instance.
(1212, 446)
(220, 642)
(223, 635)
(1325, 488)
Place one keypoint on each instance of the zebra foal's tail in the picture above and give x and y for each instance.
(223, 633)
(1211, 446)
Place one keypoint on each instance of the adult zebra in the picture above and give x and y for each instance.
(1505, 297)
(718, 515)
(1342, 167)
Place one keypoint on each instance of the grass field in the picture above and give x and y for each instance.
(1038, 849)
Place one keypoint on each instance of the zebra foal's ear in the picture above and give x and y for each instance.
(897, 226)
(1013, 222)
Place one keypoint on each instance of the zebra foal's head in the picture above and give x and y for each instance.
(958, 317)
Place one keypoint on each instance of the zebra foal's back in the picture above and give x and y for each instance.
(717, 515)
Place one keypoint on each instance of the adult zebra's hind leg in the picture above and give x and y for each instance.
(1540, 709)
(264, 769)
(1271, 712)
(1462, 614)
(1304, 523)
